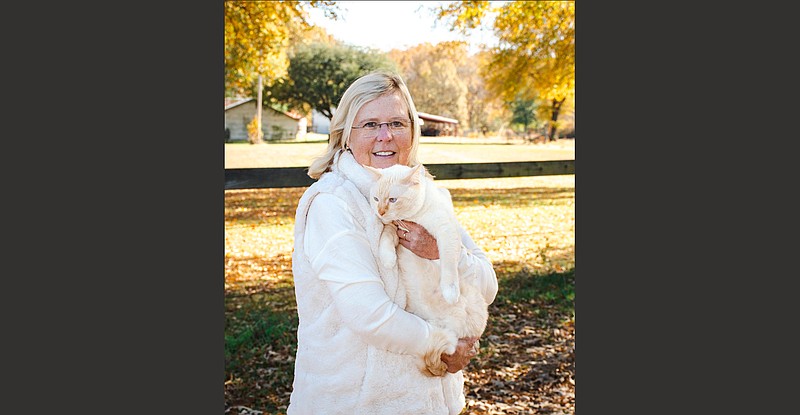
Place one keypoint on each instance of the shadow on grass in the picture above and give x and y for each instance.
(555, 288)
(279, 205)
(262, 204)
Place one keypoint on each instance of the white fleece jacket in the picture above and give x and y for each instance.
(358, 350)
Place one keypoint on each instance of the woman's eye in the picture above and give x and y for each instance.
(392, 199)
(396, 124)
(371, 124)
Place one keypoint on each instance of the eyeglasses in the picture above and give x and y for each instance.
(393, 126)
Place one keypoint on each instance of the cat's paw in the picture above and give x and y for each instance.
(450, 292)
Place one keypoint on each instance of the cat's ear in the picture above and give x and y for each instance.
(414, 176)
(375, 173)
(428, 174)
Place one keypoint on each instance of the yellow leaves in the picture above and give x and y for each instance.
(256, 41)
(516, 226)
(258, 237)
(464, 15)
(538, 51)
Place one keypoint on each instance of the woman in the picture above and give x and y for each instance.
(358, 350)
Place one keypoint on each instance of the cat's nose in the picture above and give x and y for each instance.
(381, 211)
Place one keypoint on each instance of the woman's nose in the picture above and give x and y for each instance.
(384, 133)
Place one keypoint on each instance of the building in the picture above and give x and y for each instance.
(275, 125)
(436, 125)
(320, 124)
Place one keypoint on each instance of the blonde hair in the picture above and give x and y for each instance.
(360, 92)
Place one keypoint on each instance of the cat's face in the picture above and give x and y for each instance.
(388, 201)
(395, 192)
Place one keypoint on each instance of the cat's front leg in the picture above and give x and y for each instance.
(449, 251)
(387, 246)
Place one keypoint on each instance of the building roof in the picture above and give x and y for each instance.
(436, 118)
(235, 102)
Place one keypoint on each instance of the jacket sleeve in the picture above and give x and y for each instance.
(340, 256)
(475, 268)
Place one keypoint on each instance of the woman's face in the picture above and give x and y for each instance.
(383, 147)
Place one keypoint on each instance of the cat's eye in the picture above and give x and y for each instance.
(392, 199)
(376, 199)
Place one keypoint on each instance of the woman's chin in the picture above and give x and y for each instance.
(383, 162)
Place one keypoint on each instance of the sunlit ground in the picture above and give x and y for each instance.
(432, 150)
(530, 220)
(527, 228)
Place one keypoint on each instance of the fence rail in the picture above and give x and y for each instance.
(274, 177)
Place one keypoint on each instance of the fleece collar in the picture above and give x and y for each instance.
(345, 164)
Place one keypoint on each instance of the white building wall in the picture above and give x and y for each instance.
(320, 124)
(274, 125)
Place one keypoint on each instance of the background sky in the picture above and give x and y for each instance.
(387, 25)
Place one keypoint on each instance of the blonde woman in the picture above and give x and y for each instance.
(358, 349)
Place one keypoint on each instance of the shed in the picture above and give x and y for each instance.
(436, 125)
(275, 125)
(320, 124)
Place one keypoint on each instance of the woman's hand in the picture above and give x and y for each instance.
(417, 240)
(465, 351)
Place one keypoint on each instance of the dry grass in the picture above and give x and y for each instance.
(243, 155)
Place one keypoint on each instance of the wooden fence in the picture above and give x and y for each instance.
(260, 178)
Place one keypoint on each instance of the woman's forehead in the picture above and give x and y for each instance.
(391, 105)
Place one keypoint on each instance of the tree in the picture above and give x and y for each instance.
(524, 112)
(437, 77)
(535, 57)
(258, 36)
(319, 73)
(486, 113)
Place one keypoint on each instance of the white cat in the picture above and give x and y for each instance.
(433, 291)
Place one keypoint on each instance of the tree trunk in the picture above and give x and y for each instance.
(554, 117)
(258, 106)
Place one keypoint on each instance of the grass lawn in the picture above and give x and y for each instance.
(526, 225)
(245, 155)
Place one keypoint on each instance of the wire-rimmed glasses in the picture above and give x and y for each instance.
(396, 127)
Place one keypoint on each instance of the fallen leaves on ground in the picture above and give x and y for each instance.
(527, 360)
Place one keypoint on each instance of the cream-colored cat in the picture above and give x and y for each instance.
(433, 291)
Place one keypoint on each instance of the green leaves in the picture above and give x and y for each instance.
(319, 73)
